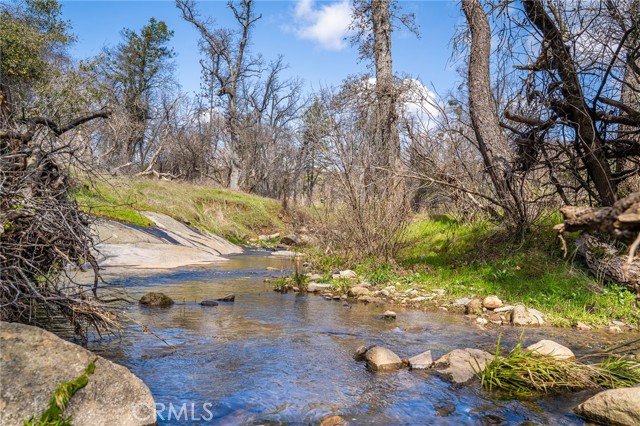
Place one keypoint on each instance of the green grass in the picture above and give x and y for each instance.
(523, 373)
(479, 258)
(234, 215)
(467, 259)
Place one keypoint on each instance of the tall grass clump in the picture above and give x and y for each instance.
(524, 373)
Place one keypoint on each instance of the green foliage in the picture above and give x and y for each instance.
(478, 258)
(525, 373)
(52, 416)
(28, 32)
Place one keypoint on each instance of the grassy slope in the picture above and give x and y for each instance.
(464, 259)
(478, 259)
(236, 216)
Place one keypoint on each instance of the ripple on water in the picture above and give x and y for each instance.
(287, 359)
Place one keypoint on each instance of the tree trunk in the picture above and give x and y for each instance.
(484, 118)
(573, 107)
(387, 139)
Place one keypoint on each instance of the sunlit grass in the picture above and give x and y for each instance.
(236, 216)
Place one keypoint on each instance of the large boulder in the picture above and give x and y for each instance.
(35, 362)
(156, 299)
(382, 359)
(549, 347)
(462, 365)
(619, 407)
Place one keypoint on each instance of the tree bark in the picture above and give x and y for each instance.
(387, 137)
(482, 109)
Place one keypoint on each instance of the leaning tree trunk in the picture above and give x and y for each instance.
(484, 117)
(620, 222)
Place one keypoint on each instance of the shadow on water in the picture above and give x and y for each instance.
(287, 359)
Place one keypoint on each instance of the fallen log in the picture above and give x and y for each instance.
(620, 222)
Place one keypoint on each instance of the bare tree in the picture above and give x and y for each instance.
(227, 66)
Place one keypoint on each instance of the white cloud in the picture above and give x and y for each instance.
(326, 24)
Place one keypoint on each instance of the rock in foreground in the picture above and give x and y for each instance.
(382, 359)
(156, 299)
(209, 302)
(462, 365)
(35, 362)
(612, 407)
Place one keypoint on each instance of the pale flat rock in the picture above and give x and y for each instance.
(167, 245)
(287, 253)
(462, 365)
(549, 347)
(316, 287)
(612, 407)
(35, 362)
(382, 359)
(421, 361)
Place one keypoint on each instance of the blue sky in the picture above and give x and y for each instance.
(310, 34)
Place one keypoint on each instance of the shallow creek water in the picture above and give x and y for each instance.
(271, 358)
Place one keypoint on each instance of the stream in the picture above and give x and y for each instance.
(271, 358)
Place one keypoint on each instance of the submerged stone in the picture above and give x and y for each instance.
(462, 365)
(156, 299)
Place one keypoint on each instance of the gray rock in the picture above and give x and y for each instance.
(358, 291)
(549, 347)
(314, 277)
(371, 299)
(316, 287)
(612, 407)
(521, 316)
(227, 298)
(209, 302)
(359, 354)
(389, 315)
(156, 299)
(421, 362)
(290, 240)
(507, 308)
(482, 321)
(473, 307)
(439, 291)
(461, 302)
(382, 359)
(35, 362)
(462, 365)
(348, 273)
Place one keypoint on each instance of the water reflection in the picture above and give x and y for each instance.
(287, 359)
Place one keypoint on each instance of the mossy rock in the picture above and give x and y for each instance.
(156, 299)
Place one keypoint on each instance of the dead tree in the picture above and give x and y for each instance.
(620, 222)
